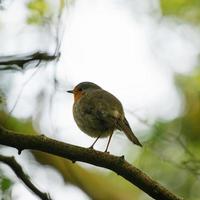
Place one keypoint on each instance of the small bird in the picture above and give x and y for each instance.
(98, 113)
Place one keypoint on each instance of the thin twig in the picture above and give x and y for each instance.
(16, 167)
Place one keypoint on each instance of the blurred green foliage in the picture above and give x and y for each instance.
(5, 187)
(38, 11)
(39, 6)
(184, 9)
(5, 184)
(172, 154)
(43, 11)
(190, 121)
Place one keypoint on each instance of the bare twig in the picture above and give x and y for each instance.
(117, 164)
(12, 163)
(21, 90)
(184, 147)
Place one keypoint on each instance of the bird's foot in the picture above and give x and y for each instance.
(122, 157)
(106, 151)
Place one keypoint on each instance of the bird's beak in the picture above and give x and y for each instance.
(70, 91)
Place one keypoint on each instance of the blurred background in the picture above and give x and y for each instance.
(144, 52)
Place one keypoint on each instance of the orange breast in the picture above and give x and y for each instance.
(77, 96)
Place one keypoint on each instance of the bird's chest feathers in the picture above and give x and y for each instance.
(77, 96)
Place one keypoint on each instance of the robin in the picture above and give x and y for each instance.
(98, 113)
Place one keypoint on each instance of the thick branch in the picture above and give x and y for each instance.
(74, 174)
(20, 61)
(75, 153)
(10, 161)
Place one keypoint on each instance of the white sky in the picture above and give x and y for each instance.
(124, 46)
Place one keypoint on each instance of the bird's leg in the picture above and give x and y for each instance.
(91, 147)
(108, 142)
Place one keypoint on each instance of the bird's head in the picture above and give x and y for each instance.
(82, 88)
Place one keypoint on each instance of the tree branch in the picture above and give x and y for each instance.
(20, 61)
(74, 174)
(10, 161)
(117, 164)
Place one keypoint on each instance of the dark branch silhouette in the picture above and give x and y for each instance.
(42, 143)
(16, 62)
(10, 161)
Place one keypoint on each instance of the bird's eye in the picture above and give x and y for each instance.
(80, 89)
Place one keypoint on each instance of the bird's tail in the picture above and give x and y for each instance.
(125, 127)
